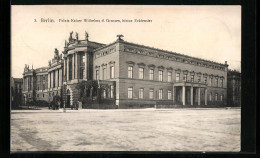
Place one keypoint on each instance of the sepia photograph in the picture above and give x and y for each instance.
(125, 78)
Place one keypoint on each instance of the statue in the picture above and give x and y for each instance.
(70, 35)
(119, 37)
(65, 43)
(77, 36)
(49, 63)
(86, 35)
(25, 68)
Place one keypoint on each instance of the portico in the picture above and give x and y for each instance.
(190, 93)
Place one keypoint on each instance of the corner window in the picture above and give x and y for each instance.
(112, 72)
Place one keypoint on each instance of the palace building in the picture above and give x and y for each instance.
(128, 75)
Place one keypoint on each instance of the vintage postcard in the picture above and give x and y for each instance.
(125, 78)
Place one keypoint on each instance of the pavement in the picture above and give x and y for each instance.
(200, 129)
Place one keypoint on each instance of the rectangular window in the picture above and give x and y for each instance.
(104, 93)
(97, 74)
(210, 96)
(141, 73)
(205, 80)
(141, 93)
(216, 97)
(210, 81)
(104, 73)
(151, 73)
(151, 93)
(112, 71)
(199, 79)
(160, 75)
(216, 82)
(43, 95)
(130, 92)
(221, 97)
(169, 76)
(111, 91)
(192, 78)
(130, 71)
(160, 93)
(169, 94)
(177, 77)
(185, 77)
(222, 83)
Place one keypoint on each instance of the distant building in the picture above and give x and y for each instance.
(234, 88)
(129, 75)
(16, 92)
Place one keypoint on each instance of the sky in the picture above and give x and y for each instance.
(207, 32)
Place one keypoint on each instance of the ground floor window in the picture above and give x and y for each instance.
(221, 97)
(216, 97)
(141, 93)
(169, 94)
(130, 92)
(210, 96)
(104, 93)
(160, 93)
(151, 93)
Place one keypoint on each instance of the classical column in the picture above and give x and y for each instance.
(86, 65)
(173, 94)
(206, 96)
(191, 95)
(73, 67)
(68, 68)
(49, 80)
(183, 95)
(76, 65)
(199, 96)
(65, 69)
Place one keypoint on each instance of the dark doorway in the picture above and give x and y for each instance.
(68, 101)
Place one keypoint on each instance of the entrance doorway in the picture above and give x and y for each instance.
(68, 99)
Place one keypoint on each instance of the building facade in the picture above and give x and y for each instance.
(137, 76)
(234, 88)
(16, 92)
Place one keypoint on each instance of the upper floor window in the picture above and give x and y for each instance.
(216, 82)
(177, 77)
(210, 81)
(151, 74)
(151, 93)
(160, 75)
(185, 77)
(97, 74)
(112, 71)
(205, 80)
(160, 93)
(141, 73)
(169, 76)
(130, 72)
(222, 83)
(199, 79)
(192, 78)
(141, 93)
(104, 73)
(130, 92)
